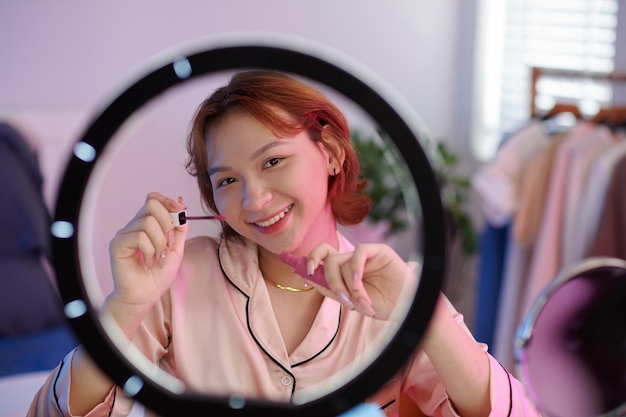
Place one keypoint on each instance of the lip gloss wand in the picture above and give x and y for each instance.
(180, 217)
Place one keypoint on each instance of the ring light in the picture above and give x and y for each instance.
(281, 55)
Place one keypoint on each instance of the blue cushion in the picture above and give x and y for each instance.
(35, 352)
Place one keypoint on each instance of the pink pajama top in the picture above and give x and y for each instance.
(215, 331)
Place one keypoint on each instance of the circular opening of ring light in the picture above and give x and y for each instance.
(235, 53)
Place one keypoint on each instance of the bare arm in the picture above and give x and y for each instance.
(460, 363)
(374, 275)
(145, 256)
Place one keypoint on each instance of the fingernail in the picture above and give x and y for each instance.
(162, 256)
(346, 300)
(309, 267)
(366, 306)
(355, 277)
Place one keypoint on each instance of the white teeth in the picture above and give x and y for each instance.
(275, 218)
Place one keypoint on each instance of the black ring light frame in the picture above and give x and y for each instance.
(88, 326)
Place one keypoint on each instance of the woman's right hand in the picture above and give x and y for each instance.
(147, 252)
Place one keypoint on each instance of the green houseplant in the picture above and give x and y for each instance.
(379, 165)
(389, 182)
(389, 185)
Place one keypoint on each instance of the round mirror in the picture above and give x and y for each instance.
(136, 144)
(571, 348)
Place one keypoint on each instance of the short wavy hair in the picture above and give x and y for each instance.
(260, 94)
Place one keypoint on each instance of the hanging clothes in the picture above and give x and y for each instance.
(610, 238)
(590, 207)
(546, 258)
(493, 246)
(498, 184)
(581, 161)
(548, 191)
(526, 225)
(559, 201)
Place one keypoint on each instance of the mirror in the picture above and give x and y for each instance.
(137, 145)
(571, 348)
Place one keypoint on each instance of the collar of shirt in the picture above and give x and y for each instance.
(239, 262)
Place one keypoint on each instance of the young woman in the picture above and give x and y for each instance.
(273, 156)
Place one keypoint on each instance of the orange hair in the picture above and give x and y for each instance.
(260, 93)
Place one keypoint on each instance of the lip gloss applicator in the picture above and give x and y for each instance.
(299, 265)
(180, 218)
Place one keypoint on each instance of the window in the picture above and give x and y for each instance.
(515, 35)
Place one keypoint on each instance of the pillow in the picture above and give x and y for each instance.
(28, 301)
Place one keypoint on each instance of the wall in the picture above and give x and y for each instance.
(63, 60)
(66, 57)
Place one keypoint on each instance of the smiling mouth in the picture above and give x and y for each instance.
(276, 218)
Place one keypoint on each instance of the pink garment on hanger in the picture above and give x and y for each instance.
(610, 239)
(546, 258)
(592, 200)
(584, 158)
(498, 183)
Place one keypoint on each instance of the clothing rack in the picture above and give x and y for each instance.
(547, 182)
(613, 114)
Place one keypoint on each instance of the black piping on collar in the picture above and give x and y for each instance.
(219, 249)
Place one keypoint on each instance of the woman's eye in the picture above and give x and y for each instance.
(225, 182)
(271, 162)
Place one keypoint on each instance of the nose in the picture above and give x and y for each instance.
(255, 195)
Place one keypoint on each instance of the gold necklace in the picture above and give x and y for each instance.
(287, 288)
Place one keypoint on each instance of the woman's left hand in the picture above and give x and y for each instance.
(369, 279)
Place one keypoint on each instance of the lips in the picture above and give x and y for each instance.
(274, 219)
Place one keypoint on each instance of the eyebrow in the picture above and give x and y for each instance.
(254, 155)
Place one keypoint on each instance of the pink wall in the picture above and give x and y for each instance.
(62, 61)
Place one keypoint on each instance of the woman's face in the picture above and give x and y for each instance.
(272, 190)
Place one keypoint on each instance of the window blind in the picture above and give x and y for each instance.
(575, 35)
